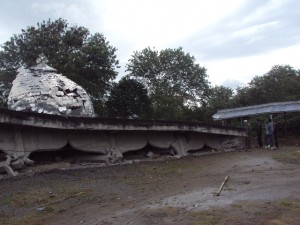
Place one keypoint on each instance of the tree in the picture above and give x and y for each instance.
(281, 83)
(220, 97)
(87, 59)
(128, 99)
(242, 97)
(173, 79)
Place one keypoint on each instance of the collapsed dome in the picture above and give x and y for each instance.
(40, 89)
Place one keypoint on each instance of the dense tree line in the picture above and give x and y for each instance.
(166, 84)
(281, 83)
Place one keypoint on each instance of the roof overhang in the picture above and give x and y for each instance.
(270, 108)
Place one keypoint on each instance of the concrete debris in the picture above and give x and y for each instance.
(92, 158)
(115, 156)
(40, 209)
(6, 166)
(11, 164)
(20, 162)
(40, 89)
(150, 154)
(232, 143)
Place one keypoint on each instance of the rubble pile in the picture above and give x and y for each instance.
(40, 89)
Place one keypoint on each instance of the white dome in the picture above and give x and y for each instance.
(40, 89)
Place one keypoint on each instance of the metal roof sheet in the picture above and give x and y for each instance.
(275, 107)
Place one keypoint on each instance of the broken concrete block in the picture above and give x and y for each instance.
(7, 168)
(10, 171)
(115, 156)
(150, 154)
(59, 94)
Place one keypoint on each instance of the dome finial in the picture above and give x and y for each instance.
(41, 62)
(42, 59)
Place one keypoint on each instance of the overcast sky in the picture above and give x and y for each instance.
(233, 39)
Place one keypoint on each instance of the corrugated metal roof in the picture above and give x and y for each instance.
(275, 107)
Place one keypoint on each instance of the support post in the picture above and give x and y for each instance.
(19, 145)
(285, 128)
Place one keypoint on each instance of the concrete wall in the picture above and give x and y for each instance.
(23, 133)
(14, 118)
(22, 142)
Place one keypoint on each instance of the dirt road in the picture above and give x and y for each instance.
(263, 188)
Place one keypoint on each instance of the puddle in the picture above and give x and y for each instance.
(204, 199)
(257, 161)
(201, 200)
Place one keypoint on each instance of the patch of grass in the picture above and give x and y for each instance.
(189, 217)
(25, 204)
(287, 212)
(288, 157)
(154, 173)
(27, 198)
(203, 218)
(29, 219)
(237, 206)
(229, 189)
(290, 205)
(39, 197)
(278, 213)
(169, 167)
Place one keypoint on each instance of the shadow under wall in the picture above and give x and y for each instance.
(204, 149)
(67, 153)
(142, 153)
(2, 156)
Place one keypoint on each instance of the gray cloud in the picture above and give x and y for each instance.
(19, 14)
(229, 38)
(14, 15)
(275, 29)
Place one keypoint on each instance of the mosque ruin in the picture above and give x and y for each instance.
(47, 112)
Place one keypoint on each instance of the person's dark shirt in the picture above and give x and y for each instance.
(258, 128)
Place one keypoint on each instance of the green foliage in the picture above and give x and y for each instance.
(173, 79)
(128, 99)
(281, 83)
(87, 59)
(166, 106)
(220, 97)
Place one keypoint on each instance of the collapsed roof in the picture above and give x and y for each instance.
(40, 89)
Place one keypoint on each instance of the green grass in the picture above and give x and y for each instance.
(149, 173)
(203, 218)
(290, 205)
(237, 206)
(32, 198)
(25, 204)
(288, 157)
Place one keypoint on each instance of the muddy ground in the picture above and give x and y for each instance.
(263, 188)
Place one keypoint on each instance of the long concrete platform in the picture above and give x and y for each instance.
(22, 133)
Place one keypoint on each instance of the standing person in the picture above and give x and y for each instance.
(269, 134)
(275, 129)
(248, 131)
(259, 133)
